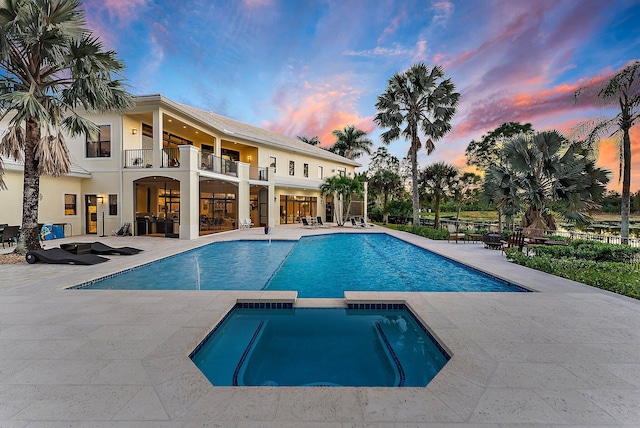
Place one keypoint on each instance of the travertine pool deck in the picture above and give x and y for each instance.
(567, 355)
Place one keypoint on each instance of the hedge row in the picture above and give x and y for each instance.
(591, 250)
(621, 278)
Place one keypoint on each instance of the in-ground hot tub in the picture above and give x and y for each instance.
(320, 347)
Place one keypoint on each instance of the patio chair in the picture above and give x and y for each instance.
(305, 223)
(320, 223)
(516, 239)
(125, 230)
(249, 223)
(354, 224)
(363, 223)
(60, 256)
(9, 235)
(453, 234)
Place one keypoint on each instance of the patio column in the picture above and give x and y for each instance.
(244, 191)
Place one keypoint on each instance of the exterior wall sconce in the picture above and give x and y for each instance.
(100, 199)
(134, 130)
(248, 158)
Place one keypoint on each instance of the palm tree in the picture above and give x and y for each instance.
(314, 141)
(351, 143)
(545, 168)
(342, 188)
(464, 189)
(387, 182)
(437, 179)
(50, 65)
(622, 91)
(424, 102)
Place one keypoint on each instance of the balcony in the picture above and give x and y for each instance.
(138, 158)
(259, 173)
(212, 163)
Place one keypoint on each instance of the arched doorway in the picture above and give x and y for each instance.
(157, 206)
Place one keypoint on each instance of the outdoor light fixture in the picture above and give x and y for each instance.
(248, 158)
(134, 130)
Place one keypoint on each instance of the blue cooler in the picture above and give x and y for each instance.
(57, 232)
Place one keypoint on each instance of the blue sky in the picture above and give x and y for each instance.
(309, 67)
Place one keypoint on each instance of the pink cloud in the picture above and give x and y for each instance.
(102, 16)
(317, 111)
(393, 26)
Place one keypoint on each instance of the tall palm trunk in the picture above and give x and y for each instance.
(29, 233)
(436, 221)
(625, 124)
(415, 143)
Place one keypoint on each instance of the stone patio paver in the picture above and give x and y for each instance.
(567, 355)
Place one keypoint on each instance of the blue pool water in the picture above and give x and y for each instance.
(311, 347)
(316, 266)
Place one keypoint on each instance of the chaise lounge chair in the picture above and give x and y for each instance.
(320, 223)
(60, 256)
(354, 224)
(100, 248)
(305, 223)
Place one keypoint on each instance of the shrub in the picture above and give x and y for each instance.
(592, 250)
(425, 231)
(621, 278)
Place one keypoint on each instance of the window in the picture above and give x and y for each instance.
(292, 168)
(342, 171)
(272, 163)
(320, 173)
(70, 205)
(113, 204)
(305, 169)
(101, 146)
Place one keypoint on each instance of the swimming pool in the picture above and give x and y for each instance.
(319, 347)
(316, 266)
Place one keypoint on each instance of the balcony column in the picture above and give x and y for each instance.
(244, 191)
(157, 138)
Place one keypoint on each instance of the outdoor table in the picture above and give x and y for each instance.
(474, 237)
(492, 241)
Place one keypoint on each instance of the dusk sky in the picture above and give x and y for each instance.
(309, 67)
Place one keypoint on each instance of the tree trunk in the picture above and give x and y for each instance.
(28, 239)
(414, 185)
(626, 183)
(385, 209)
(436, 205)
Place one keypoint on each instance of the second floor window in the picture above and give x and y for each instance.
(292, 168)
(272, 163)
(305, 169)
(342, 171)
(101, 146)
(320, 173)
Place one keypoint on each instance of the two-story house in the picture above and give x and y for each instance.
(173, 170)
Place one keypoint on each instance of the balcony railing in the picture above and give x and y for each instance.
(171, 158)
(138, 158)
(259, 173)
(212, 163)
